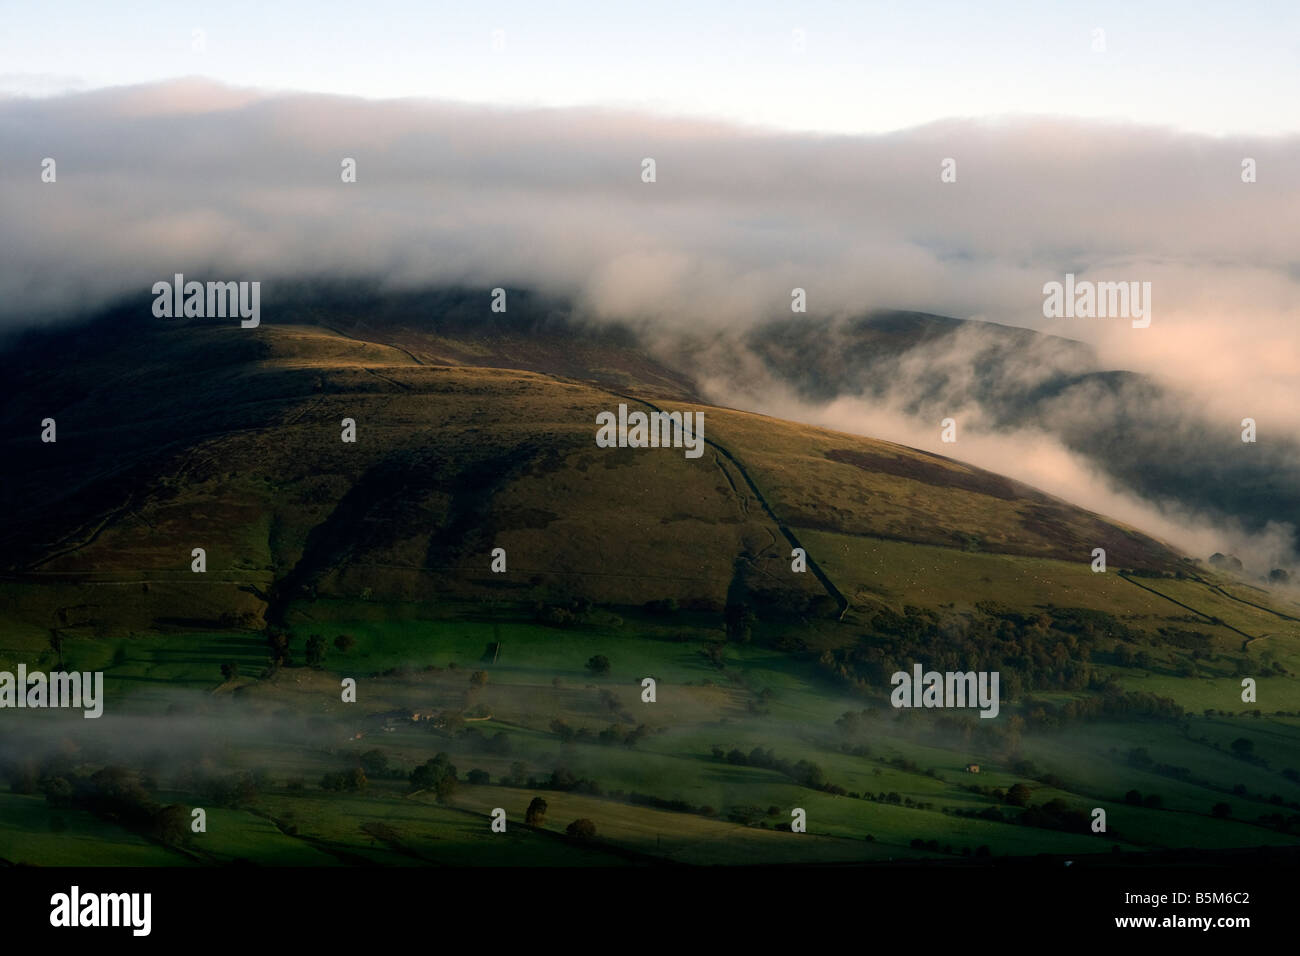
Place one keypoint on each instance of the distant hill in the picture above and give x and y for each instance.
(1147, 439)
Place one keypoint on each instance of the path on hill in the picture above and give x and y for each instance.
(1209, 617)
(789, 534)
(390, 345)
(1242, 600)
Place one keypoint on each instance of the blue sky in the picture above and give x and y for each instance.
(1218, 68)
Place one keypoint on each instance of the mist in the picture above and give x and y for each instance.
(223, 183)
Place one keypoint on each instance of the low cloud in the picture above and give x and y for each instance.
(227, 183)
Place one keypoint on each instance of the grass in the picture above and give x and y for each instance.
(28, 835)
(294, 726)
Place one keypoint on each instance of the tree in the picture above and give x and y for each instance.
(1134, 797)
(739, 620)
(58, 791)
(277, 642)
(315, 651)
(344, 643)
(598, 664)
(1018, 795)
(1243, 747)
(1221, 810)
(230, 670)
(478, 778)
(535, 815)
(438, 775)
(583, 829)
(374, 762)
(172, 824)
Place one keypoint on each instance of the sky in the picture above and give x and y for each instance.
(1218, 68)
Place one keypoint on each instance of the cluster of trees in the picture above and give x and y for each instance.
(564, 780)
(615, 733)
(223, 790)
(854, 723)
(1243, 748)
(113, 793)
(280, 653)
(1139, 757)
(804, 772)
(1276, 799)
(893, 798)
(474, 739)
(573, 613)
(348, 781)
(1109, 704)
(582, 829)
(1050, 649)
(1278, 821)
(374, 762)
(750, 815)
(437, 775)
(1056, 814)
(659, 803)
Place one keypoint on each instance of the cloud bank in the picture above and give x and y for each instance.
(228, 183)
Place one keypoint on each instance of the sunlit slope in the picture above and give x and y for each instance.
(210, 436)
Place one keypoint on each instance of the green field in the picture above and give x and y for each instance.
(292, 728)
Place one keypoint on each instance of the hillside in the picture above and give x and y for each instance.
(371, 560)
(189, 434)
(1157, 442)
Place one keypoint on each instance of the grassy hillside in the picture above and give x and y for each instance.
(371, 561)
(215, 437)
